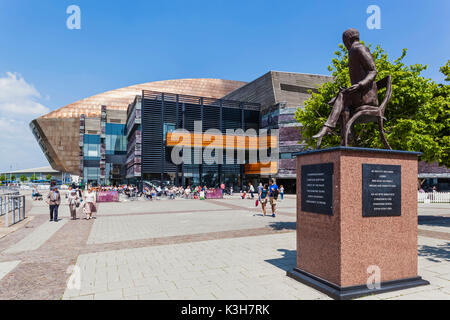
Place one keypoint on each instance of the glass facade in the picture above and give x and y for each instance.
(91, 174)
(116, 140)
(91, 147)
(162, 113)
(114, 153)
(91, 157)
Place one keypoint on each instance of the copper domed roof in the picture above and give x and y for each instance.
(121, 98)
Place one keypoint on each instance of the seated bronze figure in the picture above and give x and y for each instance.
(358, 103)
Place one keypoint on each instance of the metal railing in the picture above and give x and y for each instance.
(6, 190)
(13, 208)
(433, 197)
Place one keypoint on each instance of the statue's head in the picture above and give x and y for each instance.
(349, 36)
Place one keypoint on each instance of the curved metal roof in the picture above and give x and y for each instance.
(121, 98)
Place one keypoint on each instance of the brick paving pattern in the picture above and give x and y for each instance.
(184, 249)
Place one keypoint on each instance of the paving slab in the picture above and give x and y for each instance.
(38, 237)
(6, 267)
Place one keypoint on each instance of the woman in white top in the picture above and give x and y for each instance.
(73, 200)
(90, 200)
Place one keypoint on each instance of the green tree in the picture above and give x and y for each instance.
(418, 114)
(13, 177)
(3, 178)
(33, 177)
(23, 178)
(49, 177)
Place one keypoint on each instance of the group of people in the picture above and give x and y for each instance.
(251, 190)
(428, 189)
(86, 203)
(269, 194)
(173, 192)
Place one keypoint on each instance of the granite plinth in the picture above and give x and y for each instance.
(343, 249)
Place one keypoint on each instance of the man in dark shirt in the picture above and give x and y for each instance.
(273, 196)
(363, 91)
(54, 200)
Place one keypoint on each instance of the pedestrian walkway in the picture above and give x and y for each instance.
(240, 268)
(6, 267)
(185, 249)
(123, 228)
(38, 237)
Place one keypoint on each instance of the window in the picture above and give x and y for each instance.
(286, 155)
(115, 140)
(168, 127)
(91, 173)
(115, 129)
(91, 148)
(116, 144)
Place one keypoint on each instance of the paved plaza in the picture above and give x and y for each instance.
(184, 249)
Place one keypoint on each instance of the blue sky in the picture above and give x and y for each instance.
(45, 66)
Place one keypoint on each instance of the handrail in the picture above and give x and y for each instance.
(13, 205)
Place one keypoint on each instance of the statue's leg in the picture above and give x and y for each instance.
(336, 111)
(345, 116)
(383, 136)
(333, 118)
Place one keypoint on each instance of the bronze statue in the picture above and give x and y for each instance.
(360, 101)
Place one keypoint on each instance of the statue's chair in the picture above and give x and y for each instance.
(365, 114)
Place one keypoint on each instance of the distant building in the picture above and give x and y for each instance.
(431, 174)
(123, 135)
(41, 174)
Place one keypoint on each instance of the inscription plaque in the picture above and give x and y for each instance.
(317, 188)
(381, 190)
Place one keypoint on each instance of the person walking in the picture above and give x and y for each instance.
(281, 192)
(54, 200)
(264, 195)
(90, 202)
(73, 201)
(260, 187)
(273, 196)
(252, 190)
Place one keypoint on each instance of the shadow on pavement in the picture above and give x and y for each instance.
(287, 262)
(434, 221)
(283, 225)
(433, 253)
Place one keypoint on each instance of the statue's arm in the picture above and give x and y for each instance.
(369, 65)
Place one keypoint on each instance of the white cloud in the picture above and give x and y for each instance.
(18, 106)
(18, 98)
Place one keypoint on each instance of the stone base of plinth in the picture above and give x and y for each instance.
(357, 220)
(351, 292)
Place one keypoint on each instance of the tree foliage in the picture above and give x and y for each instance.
(49, 176)
(23, 178)
(33, 177)
(418, 114)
